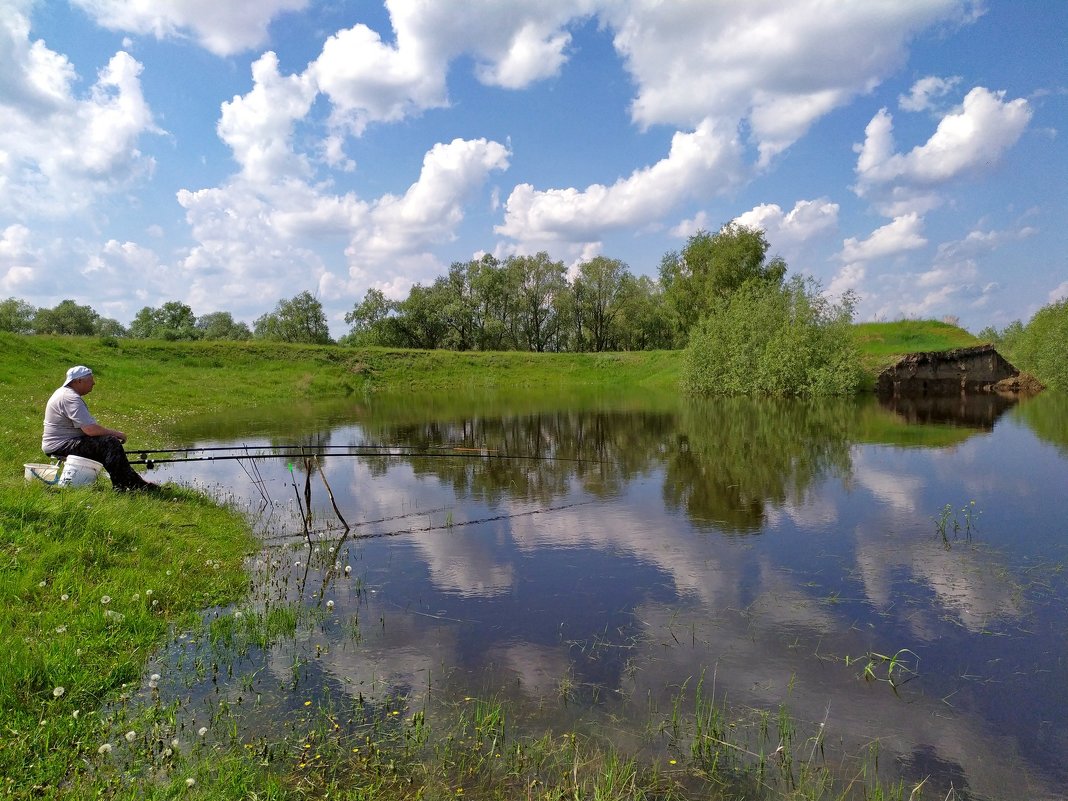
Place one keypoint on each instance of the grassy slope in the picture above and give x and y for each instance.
(91, 543)
(881, 344)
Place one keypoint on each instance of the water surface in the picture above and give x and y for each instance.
(642, 543)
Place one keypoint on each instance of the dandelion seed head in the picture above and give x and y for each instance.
(42, 584)
(203, 730)
(58, 692)
(329, 604)
(106, 600)
(131, 736)
(190, 782)
(64, 597)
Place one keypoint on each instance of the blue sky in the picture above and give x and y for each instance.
(229, 155)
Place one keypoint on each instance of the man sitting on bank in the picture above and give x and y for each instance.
(69, 429)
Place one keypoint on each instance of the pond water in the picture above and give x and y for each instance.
(884, 574)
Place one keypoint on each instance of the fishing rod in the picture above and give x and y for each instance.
(199, 448)
(291, 451)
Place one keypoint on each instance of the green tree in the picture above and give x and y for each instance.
(1041, 347)
(494, 304)
(646, 325)
(540, 285)
(66, 318)
(172, 321)
(602, 291)
(299, 319)
(776, 340)
(712, 266)
(221, 325)
(16, 316)
(420, 320)
(369, 320)
(458, 307)
(108, 327)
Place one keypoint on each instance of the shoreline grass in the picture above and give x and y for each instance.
(69, 654)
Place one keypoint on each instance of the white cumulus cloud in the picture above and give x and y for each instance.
(903, 234)
(807, 219)
(573, 215)
(59, 150)
(926, 91)
(975, 135)
(258, 126)
(780, 65)
(223, 27)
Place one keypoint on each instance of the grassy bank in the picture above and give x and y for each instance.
(92, 582)
(882, 344)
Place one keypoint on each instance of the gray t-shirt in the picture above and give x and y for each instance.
(65, 416)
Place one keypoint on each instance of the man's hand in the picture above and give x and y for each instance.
(101, 431)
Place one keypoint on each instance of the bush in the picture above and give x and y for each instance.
(774, 340)
(1041, 348)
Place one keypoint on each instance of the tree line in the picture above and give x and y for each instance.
(519, 303)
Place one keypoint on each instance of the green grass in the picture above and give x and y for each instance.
(882, 344)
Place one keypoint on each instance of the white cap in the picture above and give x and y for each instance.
(74, 373)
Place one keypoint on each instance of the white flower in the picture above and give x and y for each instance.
(348, 569)
(203, 731)
(329, 604)
(64, 597)
(61, 629)
(76, 713)
(190, 782)
(42, 584)
(105, 600)
(155, 677)
(131, 736)
(58, 692)
(104, 749)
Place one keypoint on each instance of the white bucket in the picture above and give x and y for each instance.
(78, 472)
(48, 473)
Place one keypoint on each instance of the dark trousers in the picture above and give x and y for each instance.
(108, 451)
